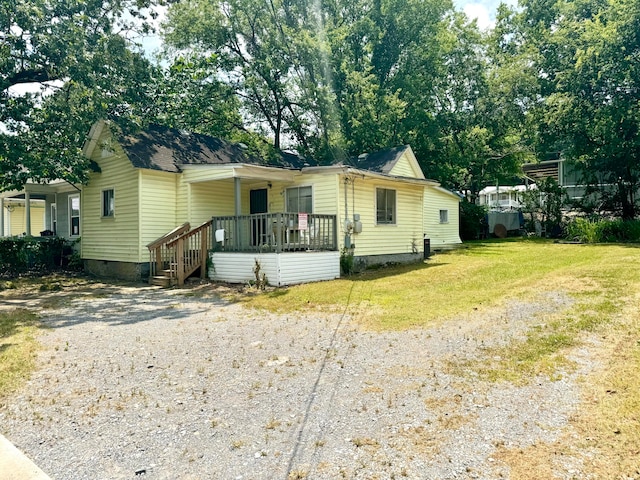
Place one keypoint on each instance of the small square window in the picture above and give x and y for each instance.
(444, 216)
(108, 203)
(385, 206)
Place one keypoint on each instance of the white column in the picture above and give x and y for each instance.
(27, 209)
(2, 217)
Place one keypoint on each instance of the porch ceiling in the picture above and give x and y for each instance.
(42, 189)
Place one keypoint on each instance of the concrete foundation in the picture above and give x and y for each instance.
(121, 270)
(365, 261)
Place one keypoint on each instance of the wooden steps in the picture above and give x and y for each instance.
(183, 251)
(161, 281)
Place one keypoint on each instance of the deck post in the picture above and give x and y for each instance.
(203, 252)
(180, 261)
(335, 233)
(279, 225)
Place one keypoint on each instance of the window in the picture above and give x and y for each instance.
(108, 203)
(444, 216)
(74, 215)
(299, 200)
(385, 206)
(54, 219)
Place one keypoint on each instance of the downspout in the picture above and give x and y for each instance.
(1, 216)
(347, 236)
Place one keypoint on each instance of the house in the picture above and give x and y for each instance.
(15, 219)
(53, 207)
(499, 197)
(566, 175)
(170, 203)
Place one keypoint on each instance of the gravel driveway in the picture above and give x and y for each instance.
(156, 384)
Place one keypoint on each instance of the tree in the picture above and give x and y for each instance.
(586, 55)
(82, 47)
(475, 137)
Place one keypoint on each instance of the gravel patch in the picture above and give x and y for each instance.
(148, 383)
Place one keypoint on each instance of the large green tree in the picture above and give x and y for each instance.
(587, 106)
(79, 54)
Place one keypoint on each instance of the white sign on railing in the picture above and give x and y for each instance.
(302, 221)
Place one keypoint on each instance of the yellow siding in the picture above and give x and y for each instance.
(111, 238)
(210, 199)
(276, 196)
(204, 192)
(441, 234)
(383, 239)
(157, 207)
(324, 191)
(208, 173)
(404, 167)
(16, 222)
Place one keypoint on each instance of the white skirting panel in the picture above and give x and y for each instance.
(280, 268)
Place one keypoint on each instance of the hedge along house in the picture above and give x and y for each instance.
(169, 204)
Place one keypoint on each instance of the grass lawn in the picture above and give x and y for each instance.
(602, 280)
(18, 347)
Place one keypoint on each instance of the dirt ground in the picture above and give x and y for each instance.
(135, 380)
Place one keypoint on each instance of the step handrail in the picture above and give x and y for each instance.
(168, 237)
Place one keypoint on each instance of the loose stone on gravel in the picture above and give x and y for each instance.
(150, 383)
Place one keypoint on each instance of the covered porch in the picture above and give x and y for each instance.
(41, 209)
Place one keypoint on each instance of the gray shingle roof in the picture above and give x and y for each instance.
(381, 161)
(168, 149)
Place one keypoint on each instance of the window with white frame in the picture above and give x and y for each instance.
(74, 215)
(108, 203)
(385, 206)
(299, 200)
(444, 216)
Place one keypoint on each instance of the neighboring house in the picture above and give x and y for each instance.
(15, 216)
(562, 172)
(52, 207)
(503, 197)
(164, 198)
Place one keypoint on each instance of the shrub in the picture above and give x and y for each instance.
(604, 231)
(42, 254)
(346, 261)
(472, 220)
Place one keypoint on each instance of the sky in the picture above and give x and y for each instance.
(482, 10)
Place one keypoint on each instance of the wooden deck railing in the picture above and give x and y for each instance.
(275, 232)
(160, 256)
(180, 253)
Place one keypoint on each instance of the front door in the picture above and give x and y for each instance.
(258, 203)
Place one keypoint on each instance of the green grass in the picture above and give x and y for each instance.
(483, 275)
(18, 346)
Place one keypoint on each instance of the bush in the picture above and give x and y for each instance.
(472, 220)
(40, 254)
(604, 231)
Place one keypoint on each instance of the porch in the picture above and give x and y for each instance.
(275, 232)
(288, 247)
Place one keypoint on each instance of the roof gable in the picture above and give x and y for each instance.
(396, 161)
